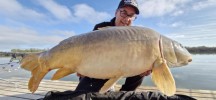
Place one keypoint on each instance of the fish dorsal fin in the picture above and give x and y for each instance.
(163, 78)
(109, 84)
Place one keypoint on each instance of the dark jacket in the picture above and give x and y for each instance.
(94, 85)
(104, 24)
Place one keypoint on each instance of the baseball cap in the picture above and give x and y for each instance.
(132, 3)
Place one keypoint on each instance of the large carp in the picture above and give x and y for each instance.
(111, 53)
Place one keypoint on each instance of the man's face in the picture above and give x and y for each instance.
(125, 16)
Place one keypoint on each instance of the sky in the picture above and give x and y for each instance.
(43, 24)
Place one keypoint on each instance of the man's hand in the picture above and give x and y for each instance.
(79, 75)
(146, 73)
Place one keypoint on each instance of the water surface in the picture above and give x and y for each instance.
(199, 74)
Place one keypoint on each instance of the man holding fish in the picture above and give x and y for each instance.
(102, 57)
(125, 14)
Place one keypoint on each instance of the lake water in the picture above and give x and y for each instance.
(200, 74)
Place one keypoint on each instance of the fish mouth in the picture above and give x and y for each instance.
(172, 64)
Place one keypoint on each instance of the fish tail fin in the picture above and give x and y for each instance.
(37, 76)
(37, 65)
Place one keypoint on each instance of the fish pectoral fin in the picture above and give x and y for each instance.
(163, 78)
(109, 84)
(62, 72)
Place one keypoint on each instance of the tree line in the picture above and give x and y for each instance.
(31, 50)
(20, 52)
(202, 50)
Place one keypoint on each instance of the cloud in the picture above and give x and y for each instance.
(177, 13)
(194, 39)
(172, 25)
(196, 35)
(80, 12)
(176, 24)
(59, 11)
(85, 12)
(204, 4)
(13, 9)
(64, 33)
(17, 32)
(157, 8)
(20, 37)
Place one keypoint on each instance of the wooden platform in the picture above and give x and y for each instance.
(16, 89)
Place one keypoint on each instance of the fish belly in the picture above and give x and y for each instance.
(108, 60)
